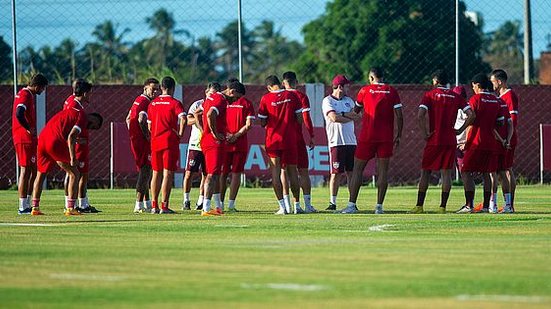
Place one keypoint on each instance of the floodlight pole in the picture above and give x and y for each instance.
(14, 60)
(528, 68)
(239, 39)
(457, 42)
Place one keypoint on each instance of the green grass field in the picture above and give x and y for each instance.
(256, 259)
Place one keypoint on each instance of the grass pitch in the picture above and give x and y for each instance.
(256, 259)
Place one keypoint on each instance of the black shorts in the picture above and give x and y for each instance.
(195, 161)
(341, 158)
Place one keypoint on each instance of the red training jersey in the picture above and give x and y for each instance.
(72, 103)
(26, 99)
(378, 102)
(305, 105)
(488, 111)
(218, 103)
(163, 115)
(279, 108)
(237, 114)
(511, 99)
(57, 129)
(140, 105)
(442, 105)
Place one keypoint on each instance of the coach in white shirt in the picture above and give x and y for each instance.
(339, 117)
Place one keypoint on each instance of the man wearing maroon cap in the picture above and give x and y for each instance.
(380, 103)
(338, 111)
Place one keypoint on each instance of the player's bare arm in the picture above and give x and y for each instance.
(182, 125)
(211, 122)
(339, 118)
(128, 120)
(422, 122)
(468, 121)
(142, 121)
(71, 141)
(400, 124)
(242, 131)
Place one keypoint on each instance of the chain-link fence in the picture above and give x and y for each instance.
(123, 42)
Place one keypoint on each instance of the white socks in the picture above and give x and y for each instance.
(281, 204)
(231, 204)
(206, 205)
(307, 200)
(333, 199)
(186, 197)
(200, 200)
(216, 199)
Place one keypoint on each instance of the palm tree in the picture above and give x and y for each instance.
(158, 47)
(227, 46)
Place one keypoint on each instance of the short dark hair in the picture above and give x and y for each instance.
(500, 74)
(377, 72)
(237, 87)
(38, 80)
(150, 80)
(98, 117)
(272, 80)
(481, 79)
(81, 86)
(214, 85)
(168, 83)
(290, 76)
(441, 76)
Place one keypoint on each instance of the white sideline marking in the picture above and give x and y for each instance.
(86, 277)
(286, 286)
(381, 228)
(28, 224)
(233, 225)
(503, 298)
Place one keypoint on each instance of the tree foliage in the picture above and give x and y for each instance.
(409, 39)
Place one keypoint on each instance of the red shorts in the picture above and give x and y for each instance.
(287, 156)
(214, 159)
(482, 161)
(369, 150)
(26, 154)
(234, 162)
(141, 150)
(195, 160)
(509, 158)
(165, 159)
(437, 158)
(82, 153)
(302, 152)
(48, 154)
(341, 158)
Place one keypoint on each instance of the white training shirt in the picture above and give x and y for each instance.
(195, 137)
(459, 121)
(338, 134)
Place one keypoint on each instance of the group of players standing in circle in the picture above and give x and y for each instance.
(477, 135)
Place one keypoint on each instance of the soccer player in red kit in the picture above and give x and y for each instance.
(441, 104)
(278, 112)
(290, 83)
(213, 142)
(166, 121)
(24, 138)
(56, 145)
(482, 146)
(139, 142)
(380, 104)
(499, 81)
(239, 117)
(82, 148)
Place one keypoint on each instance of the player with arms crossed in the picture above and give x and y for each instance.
(290, 83)
(56, 145)
(441, 104)
(278, 112)
(167, 120)
(138, 132)
(482, 146)
(239, 117)
(24, 138)
(338, 111)
(213, 142)
(195, 159)
(380, 104)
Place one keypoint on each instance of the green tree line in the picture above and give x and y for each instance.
(409, 39)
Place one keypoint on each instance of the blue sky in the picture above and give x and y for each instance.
(43, 22)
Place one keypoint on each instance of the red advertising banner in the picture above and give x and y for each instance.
(257, 164)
